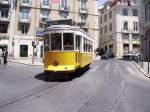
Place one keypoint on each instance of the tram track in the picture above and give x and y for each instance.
(100, 90)
(34, 91)
(29, 94)
(118, 98)
(96, 93)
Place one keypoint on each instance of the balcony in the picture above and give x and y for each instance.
(64, 8)
(5, 19)
(4, 36)
(25, 4)
(23, 19)
(83, 10)
(45, 6)
(44, 20)
(83, 25)
(5, 2)
(125, 30)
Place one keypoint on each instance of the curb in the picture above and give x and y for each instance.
(140, 69)
(24, 63)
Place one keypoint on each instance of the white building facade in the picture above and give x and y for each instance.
(145, 29)
(28, 19)
(6, 21)
(119, 27)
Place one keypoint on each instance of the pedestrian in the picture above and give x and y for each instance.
(5, 54)
(0, 55)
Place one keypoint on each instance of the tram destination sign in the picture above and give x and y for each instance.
(61, 22)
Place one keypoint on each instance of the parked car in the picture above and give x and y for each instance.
(105, 56)
(131, 57)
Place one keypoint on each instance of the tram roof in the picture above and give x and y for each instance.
(67, 27)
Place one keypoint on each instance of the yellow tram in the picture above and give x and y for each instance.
(66, 48)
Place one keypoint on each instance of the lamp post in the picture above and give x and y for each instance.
(33, 42)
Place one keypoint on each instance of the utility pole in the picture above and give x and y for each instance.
(73, 10)
(33, 42)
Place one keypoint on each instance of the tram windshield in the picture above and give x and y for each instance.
(56, 44)
(68, 39)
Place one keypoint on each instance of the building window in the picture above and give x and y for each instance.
(63, 3)
(134, 2)
(135, 36)
(125, 12)
(83, 4)
(24, 28)
(105, 29)
(101, 30)
(4, 12)
(101, 20)
(83, 18)
(45, 15)
(105, 18)
(24, 14)
(125, 25)
(110, 15)
(46, 2)
(23, 50)
(110, 27)
(64, 15)
(125, 36)
(135, 12)
(135, 26)
(3, 27)
(25, 1)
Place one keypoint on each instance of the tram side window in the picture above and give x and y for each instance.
(87, 45)
(68, 39)
(78, 39)
(56, 42)
(46, 43)
(84, 47)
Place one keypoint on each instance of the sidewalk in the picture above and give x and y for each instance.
(141, 70)
(37, 62)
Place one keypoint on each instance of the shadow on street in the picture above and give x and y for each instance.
(60, 77)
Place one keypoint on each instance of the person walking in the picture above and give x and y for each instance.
(1, 55)
(5, 54)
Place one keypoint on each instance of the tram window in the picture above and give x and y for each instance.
(46, 43)
(78, 42)
(84, 47)
(68, 39)
(56, 41)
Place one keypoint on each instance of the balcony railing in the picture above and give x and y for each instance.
(44, 20)
(64, 8)
(27, 4)
(83, 24)
(4, 36)
(6, 19)
(83, 10)
(5, 2)
(45, 6)
(23, 19)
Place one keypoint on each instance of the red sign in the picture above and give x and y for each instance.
(55, 1)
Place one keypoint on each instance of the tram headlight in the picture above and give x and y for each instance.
(55, 63)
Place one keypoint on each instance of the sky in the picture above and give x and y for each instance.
(101, 2)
